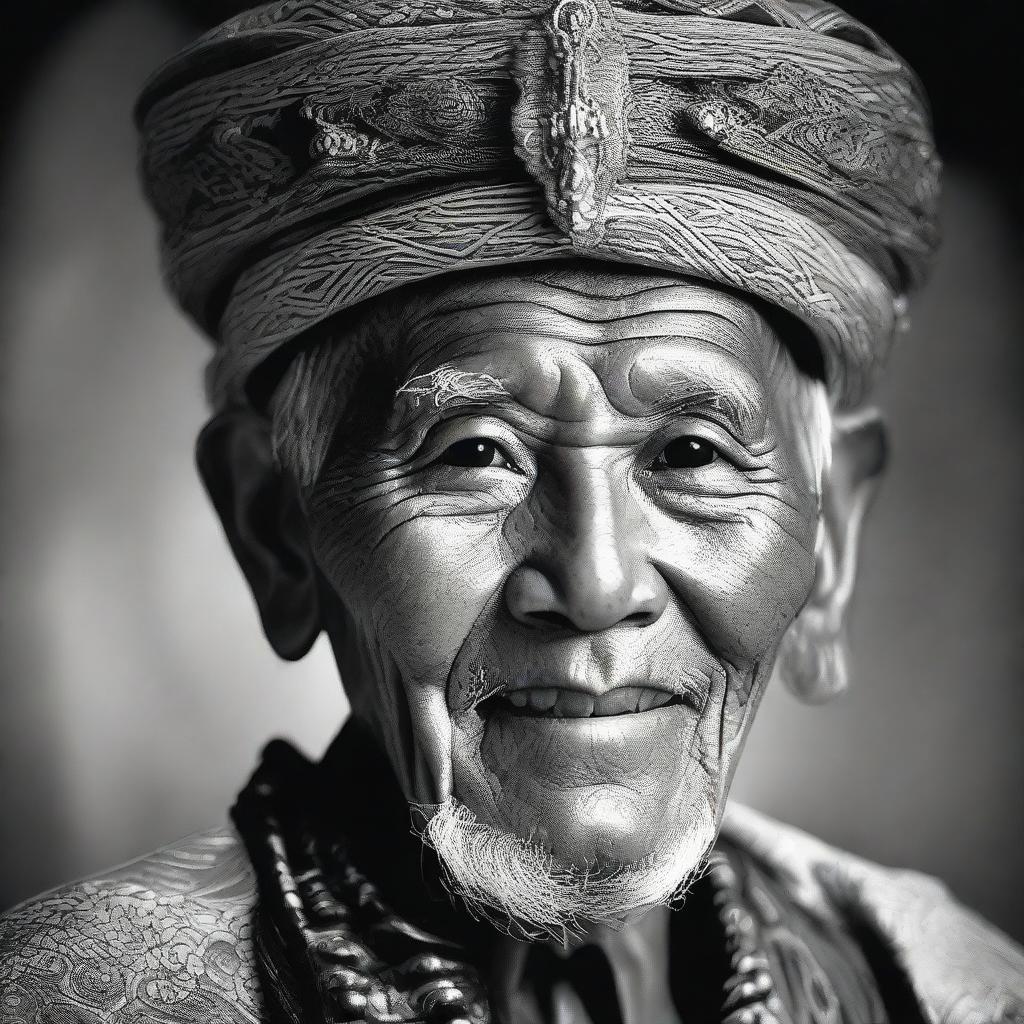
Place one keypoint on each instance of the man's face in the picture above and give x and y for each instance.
(557, 574)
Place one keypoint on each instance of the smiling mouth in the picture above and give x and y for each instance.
(557, 702)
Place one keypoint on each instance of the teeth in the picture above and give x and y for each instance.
(542, 700)
(551, 702)
(618, 702)
(647, 700)
(574, 704)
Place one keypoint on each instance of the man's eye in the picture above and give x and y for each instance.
(476, 453)
(686, 453)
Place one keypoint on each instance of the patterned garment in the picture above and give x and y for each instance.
(782, 929)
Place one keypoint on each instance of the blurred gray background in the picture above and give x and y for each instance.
(135, 686)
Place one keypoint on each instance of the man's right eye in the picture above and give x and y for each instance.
(476, 453)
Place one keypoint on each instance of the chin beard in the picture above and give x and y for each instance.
(521, 889)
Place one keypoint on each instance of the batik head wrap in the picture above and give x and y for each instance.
(308, 155)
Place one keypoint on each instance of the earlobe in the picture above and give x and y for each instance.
(812, 659)
(261, 512)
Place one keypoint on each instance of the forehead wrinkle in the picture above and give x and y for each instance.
(600, 312)
(468, 333)
(513, 302)
(569, 288)
(465, 330)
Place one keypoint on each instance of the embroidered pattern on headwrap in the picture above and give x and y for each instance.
(312, 154)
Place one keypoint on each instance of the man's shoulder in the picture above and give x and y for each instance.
(959, 967)
(166, 937)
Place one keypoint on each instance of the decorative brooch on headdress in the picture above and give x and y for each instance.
(570, 122)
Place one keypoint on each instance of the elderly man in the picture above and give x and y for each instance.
(543, 340)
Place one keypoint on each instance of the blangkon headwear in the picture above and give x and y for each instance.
(311, 154)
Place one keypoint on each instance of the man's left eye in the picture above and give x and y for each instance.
(476, 453)
(686, 453)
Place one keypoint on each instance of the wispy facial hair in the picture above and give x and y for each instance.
(522, 888)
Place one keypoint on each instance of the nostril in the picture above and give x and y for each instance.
(560, 621)
(581, 601)
(641, 618)
(552, 619)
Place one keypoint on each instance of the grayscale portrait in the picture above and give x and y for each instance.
(434, 434)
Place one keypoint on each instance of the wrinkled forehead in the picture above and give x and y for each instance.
(639, 337)
(584, 349)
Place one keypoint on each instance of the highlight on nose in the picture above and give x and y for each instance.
(585, 602)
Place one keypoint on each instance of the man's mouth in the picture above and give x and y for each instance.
(558, 702)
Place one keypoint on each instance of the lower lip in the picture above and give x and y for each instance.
(598, 737)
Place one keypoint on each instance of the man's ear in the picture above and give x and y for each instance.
(813, 658)
(261, 511)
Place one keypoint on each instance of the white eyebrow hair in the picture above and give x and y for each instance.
(446, 385)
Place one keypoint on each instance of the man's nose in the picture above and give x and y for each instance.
(590, 568)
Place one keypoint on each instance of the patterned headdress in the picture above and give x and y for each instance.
(311, 154)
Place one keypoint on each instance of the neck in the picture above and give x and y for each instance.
(637, 956)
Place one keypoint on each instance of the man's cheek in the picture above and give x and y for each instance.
(742, 582)
(426, 585)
